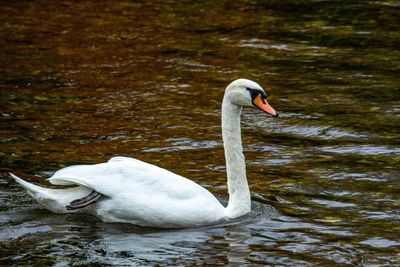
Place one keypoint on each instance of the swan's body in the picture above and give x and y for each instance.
(143, 194)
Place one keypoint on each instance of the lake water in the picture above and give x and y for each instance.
(83, 81)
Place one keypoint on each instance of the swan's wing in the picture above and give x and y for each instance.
(143, 194)
(128, 175)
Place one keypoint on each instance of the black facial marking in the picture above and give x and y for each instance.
(255, 92)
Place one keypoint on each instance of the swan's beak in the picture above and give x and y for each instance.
(262, 104)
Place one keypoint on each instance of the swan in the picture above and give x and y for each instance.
(131, 191)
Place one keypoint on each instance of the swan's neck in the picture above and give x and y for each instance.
(239, 194)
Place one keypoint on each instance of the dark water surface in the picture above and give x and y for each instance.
(83, 81)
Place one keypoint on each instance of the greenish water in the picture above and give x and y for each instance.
(81, 82)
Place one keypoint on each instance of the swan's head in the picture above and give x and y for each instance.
(243, 92)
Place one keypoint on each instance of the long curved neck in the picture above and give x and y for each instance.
(239, 194)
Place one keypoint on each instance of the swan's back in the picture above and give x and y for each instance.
(154, 194)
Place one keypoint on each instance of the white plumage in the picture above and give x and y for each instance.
(144, 194)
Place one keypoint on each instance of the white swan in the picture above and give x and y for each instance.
(132, 191)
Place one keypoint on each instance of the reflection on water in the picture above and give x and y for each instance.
(81, 82)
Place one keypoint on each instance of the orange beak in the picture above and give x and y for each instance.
(263, 105)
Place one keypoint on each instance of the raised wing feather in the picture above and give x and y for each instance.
(127, 175)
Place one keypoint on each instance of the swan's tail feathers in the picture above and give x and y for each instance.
(33, 190)
(54, 200)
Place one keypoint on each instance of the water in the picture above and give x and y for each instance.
(82, 82)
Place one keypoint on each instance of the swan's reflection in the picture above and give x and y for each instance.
(226, 242)
(140, 248)
(172, 246)
(238, 248)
